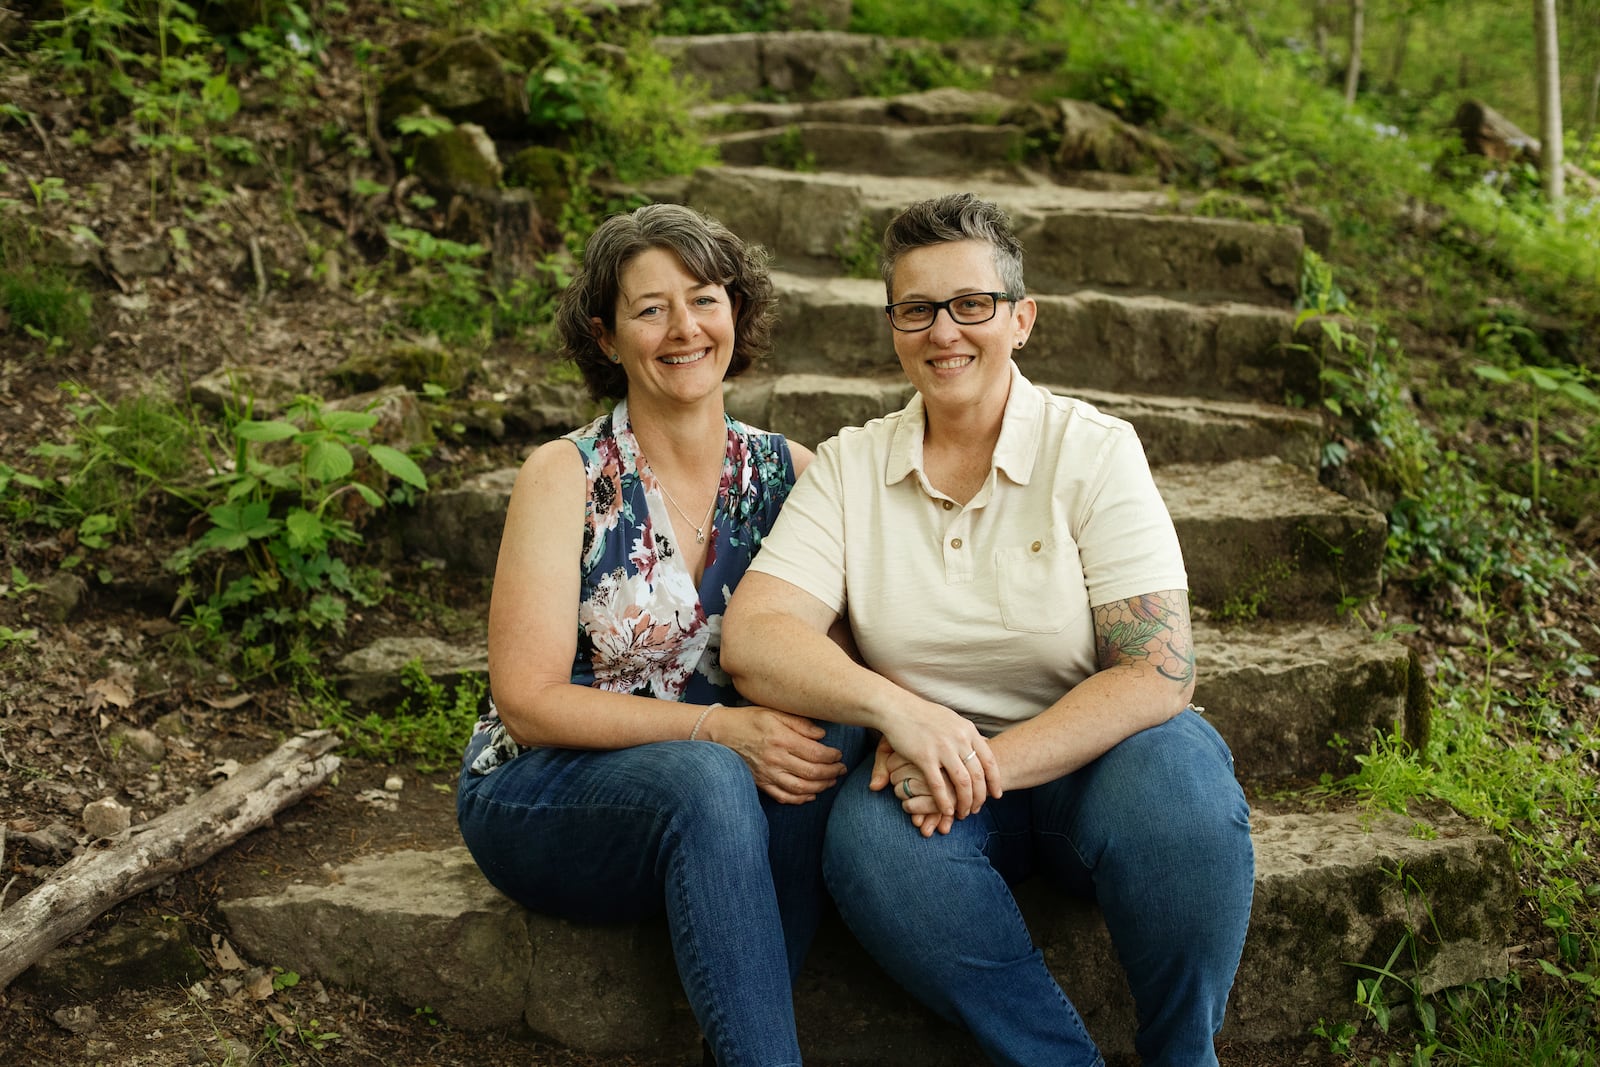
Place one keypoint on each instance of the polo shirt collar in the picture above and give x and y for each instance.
(1014, 452)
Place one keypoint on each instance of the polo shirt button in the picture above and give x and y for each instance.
(1036, 546)
(948, 505)
(955, 542)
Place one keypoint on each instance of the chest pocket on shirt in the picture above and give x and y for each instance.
(1038, 587)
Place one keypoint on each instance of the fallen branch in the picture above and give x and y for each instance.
(89, 886)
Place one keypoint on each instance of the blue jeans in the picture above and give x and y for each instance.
(678, 826)
(1157, 831)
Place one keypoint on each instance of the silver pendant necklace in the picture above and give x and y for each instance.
(700, 530)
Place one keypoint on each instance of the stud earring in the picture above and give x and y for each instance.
(613, 357)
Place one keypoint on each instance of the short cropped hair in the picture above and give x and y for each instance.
(710, 253)
(957, 217)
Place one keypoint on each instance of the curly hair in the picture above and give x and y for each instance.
(957, 217)
(710, 252)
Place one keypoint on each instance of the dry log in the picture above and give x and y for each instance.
(143, 856)
(1485, 132)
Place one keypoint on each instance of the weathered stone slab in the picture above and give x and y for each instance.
(779, 208)
(462, 525)
(816, 64)
(1088, 340)
(1328, 895)
(1263, 538)
(1173, 254)
(918, 150)
(934, 107)
(417, 927)
(1277, 692)
(810, 408)
(1281, 693)
(805, 220)
(1176, 429)
(1074, 237)
(370, 677)
(1156, 345)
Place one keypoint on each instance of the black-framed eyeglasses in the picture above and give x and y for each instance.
(968, 309)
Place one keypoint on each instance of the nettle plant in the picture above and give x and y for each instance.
(291, 494)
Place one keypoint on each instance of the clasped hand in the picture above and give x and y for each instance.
(944, 785)
(784, 752)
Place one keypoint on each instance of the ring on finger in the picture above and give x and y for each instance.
(905, 787)
(969, 756)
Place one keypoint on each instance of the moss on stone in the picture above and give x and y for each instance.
(411, 365)
(461, 159)
(549, 173)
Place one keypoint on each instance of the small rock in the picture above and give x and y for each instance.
(135, 261)
(142, 955)
(171, 724)
(142, 741)
(61, 595)
(106, 818)
(77, 1018)
(393, 784)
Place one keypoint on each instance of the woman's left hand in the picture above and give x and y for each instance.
(921, 806)
(784, 752)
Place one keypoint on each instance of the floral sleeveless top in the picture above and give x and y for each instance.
(643, 627)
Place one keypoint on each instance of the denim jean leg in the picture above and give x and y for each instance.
(1161, 828)
(618, 835)
(796, 850)
(940, 919)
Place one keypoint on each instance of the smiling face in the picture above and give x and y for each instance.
(958, 369)
(674, 334)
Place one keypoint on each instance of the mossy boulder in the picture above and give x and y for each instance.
(549, 173)
(141, 955)
(411, 365)
(459, 160)
(466, 79)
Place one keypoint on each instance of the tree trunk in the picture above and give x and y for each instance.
(99, 879)
(1319, 28)
(1549, 81)
(1586, 142)
(1398, 61)
(1358, 33)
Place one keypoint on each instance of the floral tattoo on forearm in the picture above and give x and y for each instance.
(1153, 627)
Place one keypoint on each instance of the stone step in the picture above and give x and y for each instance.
(1086, 340)
(926, 151)
(1261, 537)
(825, 223)
(934, 107)
(810, 408)
(1329, 895)
(1301, 699)
(789, 65)
(1293, 700)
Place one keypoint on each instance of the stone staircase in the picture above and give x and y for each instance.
(1180, 324)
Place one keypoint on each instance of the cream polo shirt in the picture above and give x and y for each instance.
(982, 608)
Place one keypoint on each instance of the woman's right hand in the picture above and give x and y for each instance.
(784, 752)
(951, 760)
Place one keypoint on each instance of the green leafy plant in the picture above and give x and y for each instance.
(450, 296)
(1543, 387)
(429, 725)
(10, 638)
(289, 498)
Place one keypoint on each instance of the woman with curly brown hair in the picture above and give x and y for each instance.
(616, 775)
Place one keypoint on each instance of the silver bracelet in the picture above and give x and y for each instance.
(702, 719)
